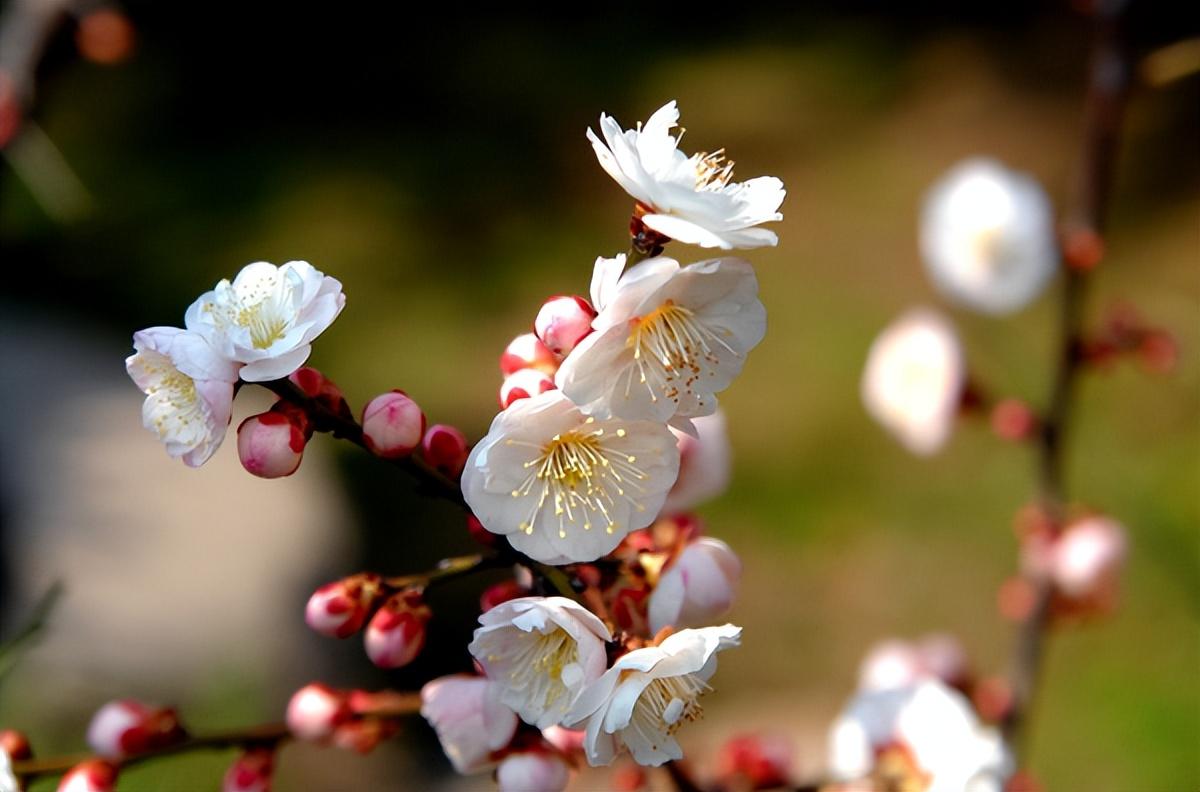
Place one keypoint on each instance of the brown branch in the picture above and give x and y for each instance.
(1107, 86)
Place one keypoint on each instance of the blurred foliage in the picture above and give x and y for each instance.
(440, 171)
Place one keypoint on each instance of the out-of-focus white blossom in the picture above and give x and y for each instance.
(564, 486)
(705, 464)
(895, 663)
(268, 316)
(8, 782)
(914, 380)
(533, 771)
(987, 236)
(667, 339)
(1088, 556)
(189, 391)
(697, 587)
(925, 736)
(541, 652)
(692, 199)
(469, 719)
(648, 694)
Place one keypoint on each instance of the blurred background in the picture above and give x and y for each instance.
(438, 168)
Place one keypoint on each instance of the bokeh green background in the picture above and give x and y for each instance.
(440, 171)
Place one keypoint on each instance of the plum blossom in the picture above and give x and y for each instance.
(667, 339)
(564, 486)
(987, 237)
(925, 736)
(896, 663)
(705, 464)
(696, 587)
(648, 694)
(189, 391)
(469, 719)
(268, 316)
(541, 652)
(533, 771)
(914, 379)
(1088, 557)
(692, 199)
(8, 781)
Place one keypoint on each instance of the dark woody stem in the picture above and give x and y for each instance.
(1107, 85)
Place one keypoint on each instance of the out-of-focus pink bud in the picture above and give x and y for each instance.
(251, 772)
(1012, 419)
(316, 710)
(1016, 599)
(1158, 352)
(533, 771)
(501, 592)
(396, 633)
(628, 778)
(993, 698)
(943, 657)
(15, 744)
(470, 721)
(105, 36)
(698, 587)
(339, 609)
(126, 727)
(446, 449)
(10, 108)
(94, 775)
(523, 384)
(1088, 557)
(480, 534)
(270, 445)
(361, 736)
(705, 464)
(755, 762)
(569, 741)
(393, 425)
(563, 322)
(527, 351)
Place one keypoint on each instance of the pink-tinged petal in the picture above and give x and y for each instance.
(277, 367)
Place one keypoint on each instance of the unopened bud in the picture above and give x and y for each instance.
(1088, 557)
(527, 351)
(446, 449)
(533, 771)
(270, 445)
(480, 534)
(1158, 352)
(993, 698)
(105, 36)
(396, 633)
(126, 727)
(15, 744)
(361, 736)
(393, 425)
(315, 711)
(523, 384)
(340, 609)
(563, 322)
(251, 772)
(755, 762)
(699, 586)
(321, 389)
(501, 592)
(94, 775)
(1012, 419)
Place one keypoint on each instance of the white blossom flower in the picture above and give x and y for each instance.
(268, 316)
(1088, 556)
(697, 587)
(667, 338)
(987, 237)
(189, 391)
(648, 694)
(469, 719)
(564, 486)
(895, 663)
(914, 380)
(8, 781)
(705, 464)
(541, 652)
(533, 771)
(692, 199)
(925, 737)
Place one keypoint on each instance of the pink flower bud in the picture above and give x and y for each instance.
(480, 534)
(320, 388)
(339, 609)
(15, 744)
(392, 425)
(501, 592)
(396, 633)
(563, 322)
(527, 351)
(126, 727)
(943, 657)
(755, 762)
(94, 775)
(315, 711)
(270, 445)
(251, 772)
(446, 449)
(1013, 419)
(533, 771)
(1088, 557)
(705, 464)
(523, 384)
(698, 587)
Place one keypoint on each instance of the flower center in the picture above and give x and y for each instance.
(176, 406)
(896, 770)
(266, 326)
(582, 478)
(713, 171)
(545, 666)
(669, 343)
(666, 704)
